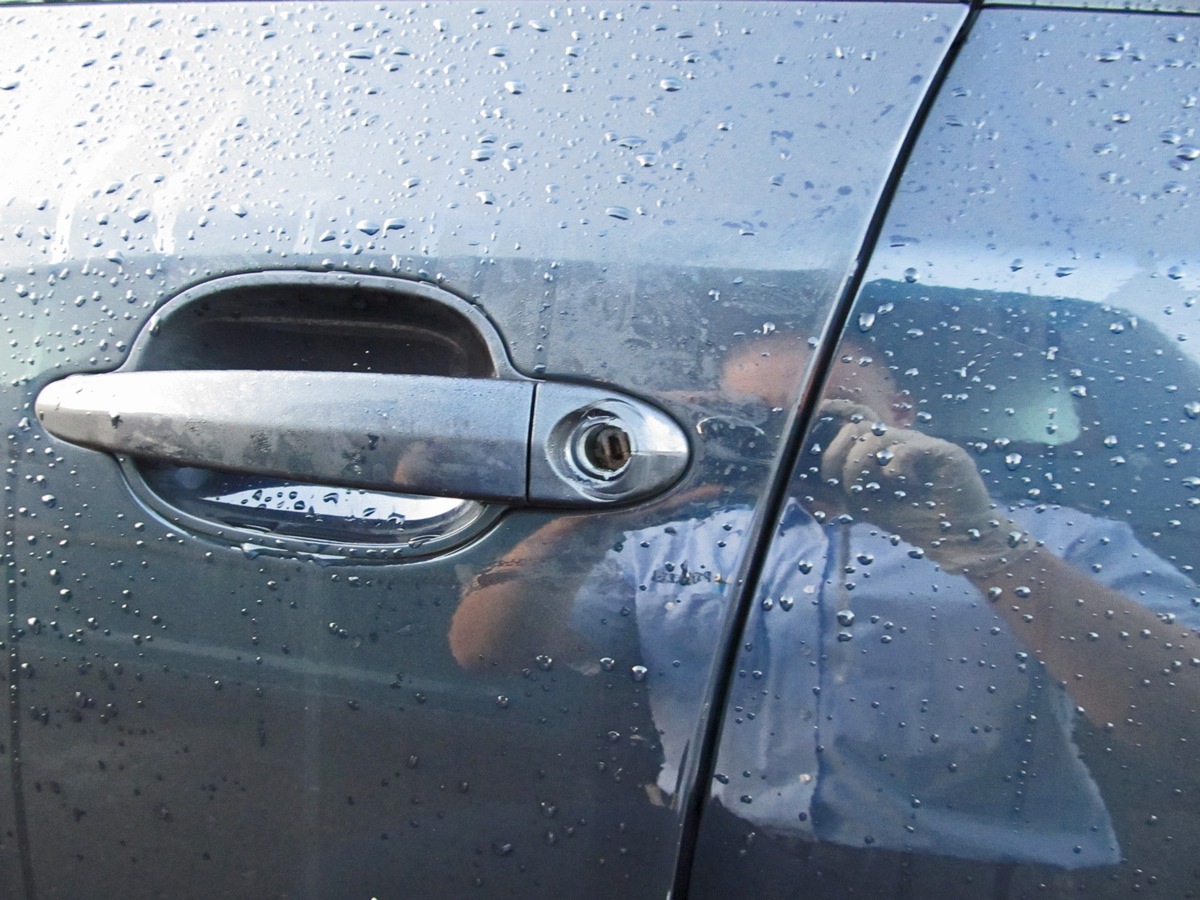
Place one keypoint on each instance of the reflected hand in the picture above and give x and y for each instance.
(924, 489)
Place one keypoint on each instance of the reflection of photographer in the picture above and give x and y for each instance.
(910, 642)
(924, 489)
(928, 492)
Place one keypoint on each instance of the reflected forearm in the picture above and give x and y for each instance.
(519, 606)
(1128, 670)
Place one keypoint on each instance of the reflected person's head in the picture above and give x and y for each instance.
(773, 369)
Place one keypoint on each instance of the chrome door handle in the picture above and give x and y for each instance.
(509, 440)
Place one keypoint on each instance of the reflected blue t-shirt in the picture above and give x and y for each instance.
(878, 701)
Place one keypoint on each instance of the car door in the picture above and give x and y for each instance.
(969, 665)
(283, 282)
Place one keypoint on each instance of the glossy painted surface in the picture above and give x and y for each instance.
(1186, 7)
(631, 194)
(971, 665)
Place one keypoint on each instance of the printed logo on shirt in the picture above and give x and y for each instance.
(682, 575)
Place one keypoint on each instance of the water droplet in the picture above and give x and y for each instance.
(1013, 460)
(786, 603)
(1121, 117)
(845, 617)
(910, 275)
(1188, 152)
(1192, 409)
(515, 87)
(671, 84)
(368, 226)
(638, 673)
(487, 198)
(884, 456)
(607, 663)
(866, 321)
(502, 701)
(618, 212)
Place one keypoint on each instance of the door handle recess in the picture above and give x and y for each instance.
(519, 442)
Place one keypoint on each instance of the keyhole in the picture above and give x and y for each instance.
(606, 449)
